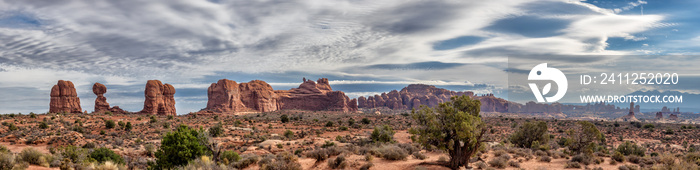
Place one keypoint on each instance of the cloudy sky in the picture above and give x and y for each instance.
(363, 46)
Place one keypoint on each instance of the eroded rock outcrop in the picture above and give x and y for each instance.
(64, 98)
(101, 104)
(228, 96)
(159, 98)
(317, 95)
(414, 95)
(673, 117)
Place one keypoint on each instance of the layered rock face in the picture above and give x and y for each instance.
(317, 95)
(101, 104)
(228, 96)
(414, 95)
(159, 98)
(64, 98)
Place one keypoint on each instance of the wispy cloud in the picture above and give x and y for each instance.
(192, 43)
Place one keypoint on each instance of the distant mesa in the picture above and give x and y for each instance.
(673, 117)
(415, 95)
(411, 96)
(64, 98)
(160, 99)
(227, 96)
(101, 104)
(317, 95)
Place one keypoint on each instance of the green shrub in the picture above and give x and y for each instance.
(629, 148)
(619, 157)
(74, 154)
(318, 154)
(351, 122)
(365, 121)
(216, 130)
(545, 159)
(584, 138)
(7, 161)
(109, 124)
(33, 156)
(382, 134)
(514, 164)
(337, 163)
(121, 124)
(153, 119)
(179, 147)
(634, 159)
(498, 162)
(43, 125)
(11, 126)
(127, 127)
(3, 149)
(419, 155)
(648, 126)
(246, 160)
(284, 118)
(392, 152)
(282, 161)
(571, 164)
(229, 156)
(329, 124)
(289, 134)
(150, 149)
(530, 134)
(328, 144)
(103, 154)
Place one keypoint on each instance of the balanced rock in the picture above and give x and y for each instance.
(159, 98)
(101, 104)
(64, 98)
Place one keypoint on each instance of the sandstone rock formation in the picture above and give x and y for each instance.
(630, 116)
(101, 104)
(673, 117)
(659, 116)
(228, 96)
(64, 98)
(317, 95)
(414, 95)
(159, 98)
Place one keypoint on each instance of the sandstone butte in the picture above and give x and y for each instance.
(64, 98)
(159, 99)
(227, 96)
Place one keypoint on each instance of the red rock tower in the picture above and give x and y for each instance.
(64, 98)
(160, 98)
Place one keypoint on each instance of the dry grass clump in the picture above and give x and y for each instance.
(338, 163)
(571, 164)
(499, 162)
